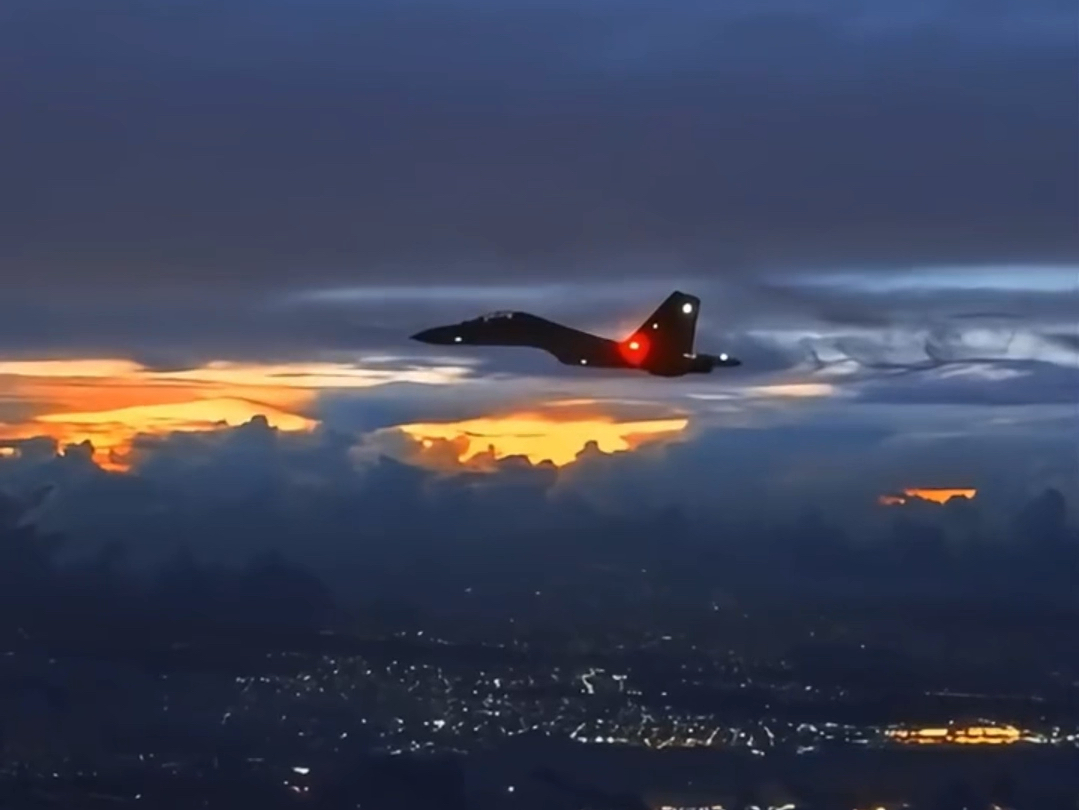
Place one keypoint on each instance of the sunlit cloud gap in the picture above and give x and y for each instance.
(112, 433)
(199, 415)
(777, 391)
(109, 402)
(1015, 278)
(70, 368)
(941, 495)
(294, 375)
(538, 438)
(463, 293)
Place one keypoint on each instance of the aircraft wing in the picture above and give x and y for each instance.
(573, 347)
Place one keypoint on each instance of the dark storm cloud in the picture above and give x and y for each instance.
(285, 144)
(958, 307)
(243, 491)
(1014, 383)
(1066, 341)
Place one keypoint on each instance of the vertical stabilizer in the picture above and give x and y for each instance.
(670, 330)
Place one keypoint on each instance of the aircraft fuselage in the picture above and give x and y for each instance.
(662, 346)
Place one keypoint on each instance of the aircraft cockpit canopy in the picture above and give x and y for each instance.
(496, 316)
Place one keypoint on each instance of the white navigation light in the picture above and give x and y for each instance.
(457, 339)
(724, 357)
(584, 362)
(687, 307)
(655, 326)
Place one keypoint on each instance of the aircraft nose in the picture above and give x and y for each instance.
(425, 336)
(438, 336)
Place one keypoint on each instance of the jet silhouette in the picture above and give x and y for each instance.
(662, 345)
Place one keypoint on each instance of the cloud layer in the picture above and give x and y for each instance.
(374, 527)
(217, 210)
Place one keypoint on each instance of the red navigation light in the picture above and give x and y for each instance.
(634, 349)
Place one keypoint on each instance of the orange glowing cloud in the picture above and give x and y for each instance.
(111, 432)
(927, 494)
(538, 437)
(109, 402)
(794, 390)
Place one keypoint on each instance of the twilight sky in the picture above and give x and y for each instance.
(214, 210)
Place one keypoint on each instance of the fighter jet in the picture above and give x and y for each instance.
(662, 345)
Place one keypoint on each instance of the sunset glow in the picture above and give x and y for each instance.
(110, 401)
(112, 432)
(794, 390)
(926, 494)
(540, 438)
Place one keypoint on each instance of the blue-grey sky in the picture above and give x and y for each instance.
(257, 202)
